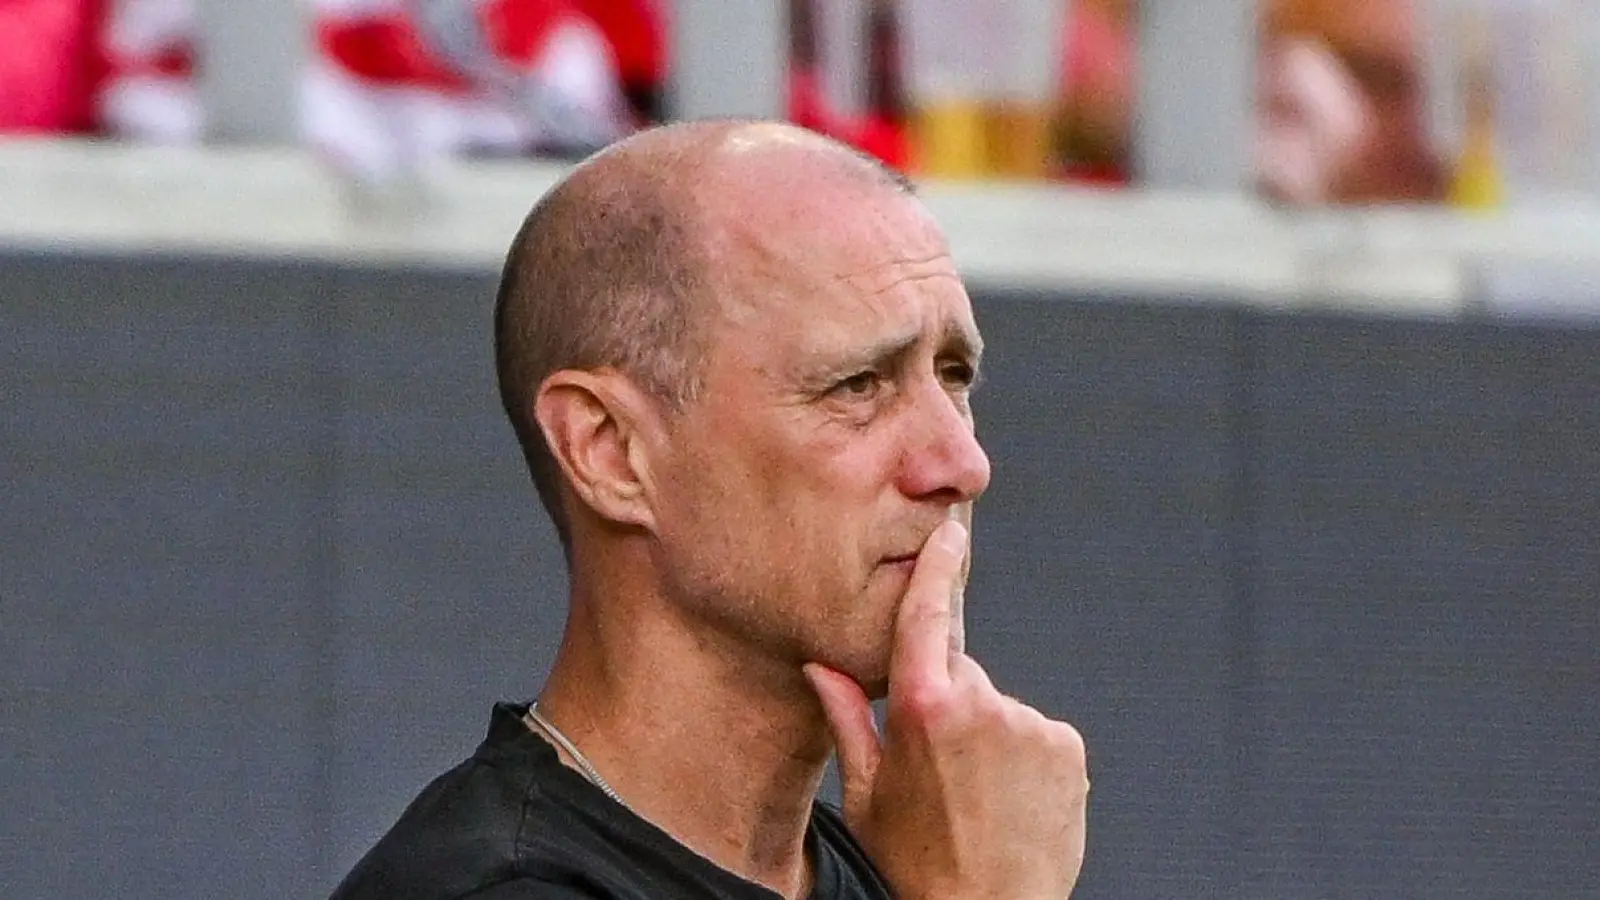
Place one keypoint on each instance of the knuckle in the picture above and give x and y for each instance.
(990, 713)
(1069, 742)
(1022, 719)
(1063, 740)
(922, 701)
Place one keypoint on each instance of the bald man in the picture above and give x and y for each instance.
(738, 358)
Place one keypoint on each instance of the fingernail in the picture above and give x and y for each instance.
(953, 536)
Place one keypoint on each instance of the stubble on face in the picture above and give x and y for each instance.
(786, 498)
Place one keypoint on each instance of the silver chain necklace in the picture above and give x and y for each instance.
(536, 720)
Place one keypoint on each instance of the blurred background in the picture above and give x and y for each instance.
(1294, 410)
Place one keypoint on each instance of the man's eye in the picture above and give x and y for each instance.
(858, 386)
(960, 374)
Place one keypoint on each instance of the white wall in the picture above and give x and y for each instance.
(276, 202)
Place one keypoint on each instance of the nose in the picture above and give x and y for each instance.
(943, 460)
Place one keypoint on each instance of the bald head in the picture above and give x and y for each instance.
(617, 266)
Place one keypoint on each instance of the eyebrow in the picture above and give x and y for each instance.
(890, 350)
(962, 341)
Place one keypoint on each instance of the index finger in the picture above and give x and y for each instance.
(924, 625)
(958, 592)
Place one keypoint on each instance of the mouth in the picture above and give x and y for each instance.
(903, 561)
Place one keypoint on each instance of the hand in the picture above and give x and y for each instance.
(968, 793)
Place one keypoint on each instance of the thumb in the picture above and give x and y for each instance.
(854, 733)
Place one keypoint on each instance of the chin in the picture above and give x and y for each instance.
(870, 673)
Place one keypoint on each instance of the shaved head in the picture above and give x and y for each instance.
(617, 266)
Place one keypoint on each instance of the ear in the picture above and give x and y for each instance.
(593, 424)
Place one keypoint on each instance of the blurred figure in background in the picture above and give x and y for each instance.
(1341, 105)
(50, 70)
(149, 94)
(1092, 139)
(882, 129)
(396, 84)
(637, 33)
(114, 68)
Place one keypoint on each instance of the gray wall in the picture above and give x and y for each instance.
(1323, 593)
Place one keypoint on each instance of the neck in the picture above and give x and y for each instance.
(721, 750)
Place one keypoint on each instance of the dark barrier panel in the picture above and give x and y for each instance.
(1323, 594)
(1101, 578)
(1425, 683)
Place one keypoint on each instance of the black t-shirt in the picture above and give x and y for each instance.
(514, 823)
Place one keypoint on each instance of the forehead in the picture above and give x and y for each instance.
(823, 270)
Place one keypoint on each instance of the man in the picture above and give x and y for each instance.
(738, 358)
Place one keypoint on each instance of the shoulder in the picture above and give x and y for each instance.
(479, 827)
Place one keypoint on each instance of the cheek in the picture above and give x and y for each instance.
(757, 545)
(764, 501)
(716, 518)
